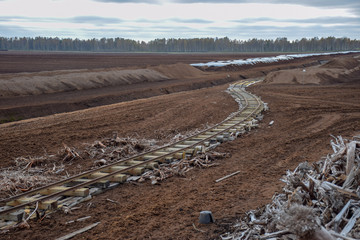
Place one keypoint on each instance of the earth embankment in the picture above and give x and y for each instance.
(338, 70)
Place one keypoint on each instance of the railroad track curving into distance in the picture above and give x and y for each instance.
(81, 187)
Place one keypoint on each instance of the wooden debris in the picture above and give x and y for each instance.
(319, 201)
(112, 201)
(16, 216)
(181, 167)
(98, 163)
(82, 230)
(111, 149)
(22, 225)
(227, 176)
(350, 157)
(199, 230)
(78, 220)
(275, 234)
(36, 208)
(70, 153)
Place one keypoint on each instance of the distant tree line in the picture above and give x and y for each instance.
(180, 45)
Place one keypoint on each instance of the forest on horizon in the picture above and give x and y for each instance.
(180, 45)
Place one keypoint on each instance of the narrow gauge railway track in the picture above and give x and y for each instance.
(82, 186)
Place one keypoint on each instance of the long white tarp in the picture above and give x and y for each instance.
(252, 61)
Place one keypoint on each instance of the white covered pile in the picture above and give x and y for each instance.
(252, 61)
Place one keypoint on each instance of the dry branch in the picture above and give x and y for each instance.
(350, 157)
(70, 153)
(227, 176)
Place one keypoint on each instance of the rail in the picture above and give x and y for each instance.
(250, 106)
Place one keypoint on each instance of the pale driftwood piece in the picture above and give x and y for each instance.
(36, 208)
(336, 220)
(253, 220)
(320, 184)
(338, 155)
(112, 201)
(275, 234)
(339, 143)
(68, 236)
(350, 157)
(341, 140)
(78, 220)
(350, 178)
(341, 190)
(199, 230)
(327, 162)
(322, 234)
(246, 232)
(249, 234)
(334, 145)
(351, 223)
(227, 176)
(335, 234)
(72, 204)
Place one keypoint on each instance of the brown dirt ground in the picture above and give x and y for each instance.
(304, 115)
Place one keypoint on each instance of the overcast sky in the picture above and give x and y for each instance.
(146, 19)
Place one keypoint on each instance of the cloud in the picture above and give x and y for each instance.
(293, 32)
(201, 21)
(4, 19)
(352, 5)
(164, 30)
(162, 19)
(26, 19)
(12, 31)
(330, 20)
(237, 32)
(316, 3)
(320, 20)
(130, 1)
(95, 20)
(256, 20)
(139, 32)
(79, 19)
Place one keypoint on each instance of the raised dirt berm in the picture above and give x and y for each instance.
(338, 70)
(22, 84)
(180, 70)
